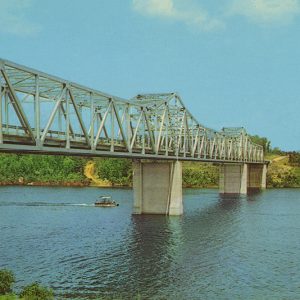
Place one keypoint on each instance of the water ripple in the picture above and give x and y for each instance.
(221, 248)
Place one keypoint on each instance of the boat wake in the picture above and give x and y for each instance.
(45, 204)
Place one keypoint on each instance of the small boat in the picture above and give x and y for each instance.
(106, 201)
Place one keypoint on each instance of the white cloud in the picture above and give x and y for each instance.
(13, 18)
(177, 11)
(266, 11)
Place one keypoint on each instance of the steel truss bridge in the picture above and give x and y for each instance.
(41, 113)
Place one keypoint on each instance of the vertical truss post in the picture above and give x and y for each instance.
(184, 135)
(160, 130)
(143, 134)
(92, 116)
(128, 126)
(155, 126)
(37, 111)
(167, 132)
(150, 132)
(206, 145)
(1, 96)
(6, 105)
(245, 148)
(67, 119)
(112, 123)
(199, 144)
(59, 120)
(183, 141)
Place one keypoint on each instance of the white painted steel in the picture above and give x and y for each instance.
(51, 113)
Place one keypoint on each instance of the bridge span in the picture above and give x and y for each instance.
(44, 114)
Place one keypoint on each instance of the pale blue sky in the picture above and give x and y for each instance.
(234, 62)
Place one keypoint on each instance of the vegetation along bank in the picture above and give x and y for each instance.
(15, 169)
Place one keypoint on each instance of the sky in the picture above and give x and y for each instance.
(233, 62)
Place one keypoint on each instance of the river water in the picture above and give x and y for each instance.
(244, 247)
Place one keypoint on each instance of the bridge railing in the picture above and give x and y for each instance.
(45, 112)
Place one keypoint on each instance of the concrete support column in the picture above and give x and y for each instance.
(233, 179)
(244, 177)
(264, 177)
(175, 201)
(257, 176)
(137, 187)
(157, 187)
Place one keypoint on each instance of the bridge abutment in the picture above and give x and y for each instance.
(157, 187)
(239, 178)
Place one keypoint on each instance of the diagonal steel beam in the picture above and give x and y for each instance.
(136, 129)
(121, 128)
(52, 116)
(18, 106)
(102, 125)
(161, 129)
(63, 110)
(79, 118)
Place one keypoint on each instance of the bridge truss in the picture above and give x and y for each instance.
(40, 113)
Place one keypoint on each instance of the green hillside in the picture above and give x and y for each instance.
(284, 171)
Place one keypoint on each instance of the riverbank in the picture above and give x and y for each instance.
(282, 173)
(43, 170)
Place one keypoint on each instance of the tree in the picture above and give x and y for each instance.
(294, 158)
(7, 279)
(263, 141)
(34, 291)
(115, 170)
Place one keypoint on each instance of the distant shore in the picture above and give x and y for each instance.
(44, 170)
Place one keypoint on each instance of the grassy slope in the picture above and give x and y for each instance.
(281, 173)
(10, 297)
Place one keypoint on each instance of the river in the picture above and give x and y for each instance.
(245, 247)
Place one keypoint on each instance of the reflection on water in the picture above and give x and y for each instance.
(244, 247)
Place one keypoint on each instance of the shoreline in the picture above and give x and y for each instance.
(81, 185)
(62, 184)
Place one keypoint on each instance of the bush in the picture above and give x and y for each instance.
(117, 171)
(294, 158)
(200, 175)
(282, 177)
(7, 279)
(34, 291)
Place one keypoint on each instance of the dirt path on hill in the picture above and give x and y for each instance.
(89, 172)
(279, 158)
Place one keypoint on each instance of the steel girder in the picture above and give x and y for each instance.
(45, 114)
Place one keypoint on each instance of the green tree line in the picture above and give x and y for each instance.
(64, 170)
(16, 168)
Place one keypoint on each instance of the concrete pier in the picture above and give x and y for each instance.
(157, 187)
(239, 178)
(257, 176)
(233, 179)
